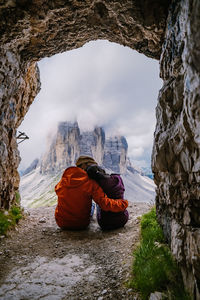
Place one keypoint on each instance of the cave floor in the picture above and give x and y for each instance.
(40, 261)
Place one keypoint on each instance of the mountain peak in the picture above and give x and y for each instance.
(69, 143)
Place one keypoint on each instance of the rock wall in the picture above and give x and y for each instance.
(92, 144)
(62, 150)
(176, 152)
(115, 154)
(41, 28)
(19, 86)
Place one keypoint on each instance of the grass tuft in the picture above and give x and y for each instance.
(9, 219)
(154, 268)
(17, 198)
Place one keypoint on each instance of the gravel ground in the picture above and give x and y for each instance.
(40, 261)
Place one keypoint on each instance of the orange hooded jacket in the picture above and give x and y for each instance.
(75, 192)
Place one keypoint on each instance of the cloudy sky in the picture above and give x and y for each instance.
(101, 84)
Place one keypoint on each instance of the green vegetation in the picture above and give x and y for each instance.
(9, 219)
(17, 197)
(154, 268)
(43, 201)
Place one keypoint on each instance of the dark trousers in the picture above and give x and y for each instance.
(108, 220)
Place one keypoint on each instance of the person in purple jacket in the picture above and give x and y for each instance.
(113, 187)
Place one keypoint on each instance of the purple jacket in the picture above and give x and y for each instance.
(113, 186)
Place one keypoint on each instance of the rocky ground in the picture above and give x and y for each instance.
(40, 261)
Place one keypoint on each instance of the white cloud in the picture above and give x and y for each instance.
(101, 84)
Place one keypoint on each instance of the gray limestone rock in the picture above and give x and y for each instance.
(69, 143)
(157, 296)
(32, 167)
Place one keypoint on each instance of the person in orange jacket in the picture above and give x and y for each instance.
(75, 192)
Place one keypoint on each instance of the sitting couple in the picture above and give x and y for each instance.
(76, 189)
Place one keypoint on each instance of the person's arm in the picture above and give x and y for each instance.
(107, 204)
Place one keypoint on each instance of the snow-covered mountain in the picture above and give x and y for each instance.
(39, 179)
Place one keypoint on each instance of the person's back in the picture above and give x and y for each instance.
(73, 206)
(113, 186)
(75, 192)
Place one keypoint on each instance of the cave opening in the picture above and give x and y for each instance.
(164, 30)
(101, 84)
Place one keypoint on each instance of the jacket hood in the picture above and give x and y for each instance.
(74, 177)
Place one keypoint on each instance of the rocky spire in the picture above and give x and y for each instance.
(68, 143)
